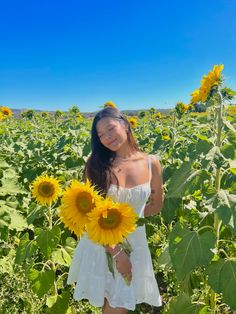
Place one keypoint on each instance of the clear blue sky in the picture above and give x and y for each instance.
(139, 54)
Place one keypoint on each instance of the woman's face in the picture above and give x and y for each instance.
(112, 133)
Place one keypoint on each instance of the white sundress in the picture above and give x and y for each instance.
(89, 267)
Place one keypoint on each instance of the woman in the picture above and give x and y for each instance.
(121, 170)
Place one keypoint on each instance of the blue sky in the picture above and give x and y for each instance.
(139, 54)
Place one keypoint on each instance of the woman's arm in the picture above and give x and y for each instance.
(157, 194)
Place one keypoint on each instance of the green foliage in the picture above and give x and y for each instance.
(192, 243)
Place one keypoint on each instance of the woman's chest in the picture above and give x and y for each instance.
(130, 174)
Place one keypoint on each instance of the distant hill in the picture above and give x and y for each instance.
(17, 112)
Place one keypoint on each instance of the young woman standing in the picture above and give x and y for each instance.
(122, 171)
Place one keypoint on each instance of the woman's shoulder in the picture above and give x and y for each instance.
(155, 163)
(154, 158)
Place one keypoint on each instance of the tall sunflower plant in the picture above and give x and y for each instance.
(46, 190)
(106, 222)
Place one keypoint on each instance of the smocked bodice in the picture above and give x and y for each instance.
(136, 196)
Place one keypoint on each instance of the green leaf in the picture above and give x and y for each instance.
(189, 249)
(181, 180)
(110, 263)
(203, 146)
(214, 156)
(18, 222)
(35, 212)
(4, 164)
(182, 304)
(5, 218)
(62, 303)
(225, 206)
(61, 257)
(51, 300)
(70, 245)
(229, 125)
(232, 165)
(171, 205)
(228, 150)
(164, 259)
(48, 240)
(222, 279)
(41, 281)
(9, 186)
(25, 249)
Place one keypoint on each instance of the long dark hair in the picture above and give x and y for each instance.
(98, 168)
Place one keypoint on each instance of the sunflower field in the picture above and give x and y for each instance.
(192, 242)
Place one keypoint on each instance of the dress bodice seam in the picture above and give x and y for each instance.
(133, 187)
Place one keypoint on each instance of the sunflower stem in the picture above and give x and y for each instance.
(53, 267)
(217, 221)
(50, 217)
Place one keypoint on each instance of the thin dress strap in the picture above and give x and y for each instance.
(150, 167)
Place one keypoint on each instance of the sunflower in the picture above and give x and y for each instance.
(213, 77)
(109, 104)
(7, 112)
(158, 115)
(133, 122)
(1, 116)
(196, 97)
(46, 189)
(208, 81)
(78, 200)
(166, 138)
(111, 222)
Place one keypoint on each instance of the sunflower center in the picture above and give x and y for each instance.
(112, 220)
(84, 202)
(46, 189)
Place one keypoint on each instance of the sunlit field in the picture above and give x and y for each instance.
(192, 242)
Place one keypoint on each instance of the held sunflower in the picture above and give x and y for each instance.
(78, 200)
(109, 223)
(46, 189)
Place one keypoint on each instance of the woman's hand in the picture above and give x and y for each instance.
(124, 266)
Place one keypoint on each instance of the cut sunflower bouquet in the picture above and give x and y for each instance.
(106, 222)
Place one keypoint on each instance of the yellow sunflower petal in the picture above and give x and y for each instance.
(109, 104)
(78, 200)
(133, 122)
(7, 112)
(111, 228)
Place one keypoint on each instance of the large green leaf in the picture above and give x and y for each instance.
(62, 303)
(10, 186)
(215, 157)
(228, 150)
(182, 304)
(5, 218)
(48, 240)
(225, 206)
(171, 205)
(189, 249)
(41, 281)
(222, 279)
(3, 164)
(25, 249)
(18, 221)
(181, 180)
(61, 257)
(35, 212)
